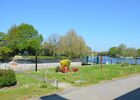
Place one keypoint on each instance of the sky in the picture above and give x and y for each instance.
(102, 23)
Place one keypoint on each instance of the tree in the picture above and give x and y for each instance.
(131, 52)
(138, 52)
(1, 38)
(5, 53)
(73, 45)
(23, 38)
(103, 53)
(122, 50)
(51, 45)
(113, 52)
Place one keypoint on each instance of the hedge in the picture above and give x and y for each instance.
(7, 78)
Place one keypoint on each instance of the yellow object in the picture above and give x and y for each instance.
(65, 63)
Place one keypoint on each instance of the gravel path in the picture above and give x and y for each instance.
(120, 89)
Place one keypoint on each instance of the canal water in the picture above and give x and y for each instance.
(108, 60)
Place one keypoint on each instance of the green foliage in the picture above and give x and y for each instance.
(131, 52)
(4, 50)
(7, 77)
(122, 51)
(138, 52)
(113, 52)
(70, 45)
(23, 38)
(5, 53)
(57, 69)
(73, 45)
(1, 38)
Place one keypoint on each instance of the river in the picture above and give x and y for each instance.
(107, 59)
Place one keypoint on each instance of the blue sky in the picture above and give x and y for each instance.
(102, 23)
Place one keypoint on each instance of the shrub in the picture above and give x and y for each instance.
(7, 78)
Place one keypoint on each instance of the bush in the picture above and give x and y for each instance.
(7, 78)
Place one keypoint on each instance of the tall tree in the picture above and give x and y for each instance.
(138, 52)
(113, 52)
(1, 38)
(73, 45)
(131, 52)
(24, 38)
(122, 50)
(52, 44)
(4, 50)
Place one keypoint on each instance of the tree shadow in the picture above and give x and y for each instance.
(133, 95)
(53, 97)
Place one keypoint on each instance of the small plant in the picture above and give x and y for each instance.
(57, 69)
(65, 66)
(7, 78)
(124, 64)
(75, 69)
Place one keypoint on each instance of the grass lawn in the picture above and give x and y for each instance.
(90, 74)
(28, 87)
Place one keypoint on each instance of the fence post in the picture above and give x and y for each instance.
(36, 63)
(56, 84)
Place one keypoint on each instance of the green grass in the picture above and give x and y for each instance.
(90, 74)
(26, 87)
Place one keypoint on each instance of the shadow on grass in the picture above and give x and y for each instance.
(133, 95)
(52, 97)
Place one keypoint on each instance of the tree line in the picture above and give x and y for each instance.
(121, 51)
(24, 39)
(124, 51)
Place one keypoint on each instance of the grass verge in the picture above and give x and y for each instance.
(26, 87)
